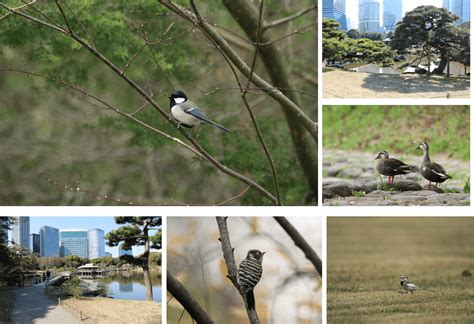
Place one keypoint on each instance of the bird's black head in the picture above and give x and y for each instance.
(255, 254)
(423, 146)
(177, 97)
(382, 155)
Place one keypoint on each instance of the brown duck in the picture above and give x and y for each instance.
(390, 167)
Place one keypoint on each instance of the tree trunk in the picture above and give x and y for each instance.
(146, 270)
(442, 63)
(246, 15)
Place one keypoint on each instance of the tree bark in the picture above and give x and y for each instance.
(246, 15)
(442, 64)
(146, 270)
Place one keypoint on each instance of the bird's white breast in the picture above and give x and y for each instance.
(183, 117)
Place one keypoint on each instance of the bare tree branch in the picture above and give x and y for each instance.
(154, 104)
(228, 252)
(276, 94)
(285, 20)
(186, 300)
(300, 242)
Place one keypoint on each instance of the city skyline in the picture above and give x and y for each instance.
(106, 224)
(352, 8)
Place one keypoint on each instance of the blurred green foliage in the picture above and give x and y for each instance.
(53, 130)
(398, 129)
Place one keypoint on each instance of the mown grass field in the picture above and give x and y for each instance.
(398, 129)
(367, 256)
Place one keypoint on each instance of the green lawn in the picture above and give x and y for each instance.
(398, 129)
(367, 256)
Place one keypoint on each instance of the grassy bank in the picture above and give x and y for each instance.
(366, 257)
(398, 129)
(114, 311)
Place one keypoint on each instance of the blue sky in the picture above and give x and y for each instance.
(86, 222)
(352, 7)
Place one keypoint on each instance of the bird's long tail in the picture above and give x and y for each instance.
(428, 290)
(250, 300)
(217, 125)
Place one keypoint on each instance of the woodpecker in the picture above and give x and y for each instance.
(250, 272)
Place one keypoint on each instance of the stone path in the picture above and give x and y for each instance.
(32, 305)
(350, 178)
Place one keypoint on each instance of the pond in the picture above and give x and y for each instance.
(126, 285)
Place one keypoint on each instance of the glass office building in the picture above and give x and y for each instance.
(74, 242)
(49, 241)
(21, 232)
(336, 9)
(392, 14)
(96, 243)
(369, 16)
(35, 244)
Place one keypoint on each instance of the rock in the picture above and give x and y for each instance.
(339, 189)
(351, 173)
(434, 188)
(404, 185)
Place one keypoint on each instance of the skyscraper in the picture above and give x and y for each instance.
(35, 246)
(369, 16)
(96, 243)
(21, 232)
(74, 242)
(461, 8)
(336, 9)
(392, 13)
(4, 226)
(49, 241)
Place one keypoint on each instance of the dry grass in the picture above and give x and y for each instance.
(343, 84)
(366, 257)
(115, 311)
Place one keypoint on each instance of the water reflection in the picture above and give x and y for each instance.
(126, 285)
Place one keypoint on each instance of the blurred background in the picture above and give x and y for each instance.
(52, 130)
(367, 255)
(290, 288)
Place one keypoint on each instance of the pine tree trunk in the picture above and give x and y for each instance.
(442, 63)
(146, 270)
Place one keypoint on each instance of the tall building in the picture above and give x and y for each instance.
(74, 242)
(336, 9)
(461, 8)
(35, 246)
(369, 16)
(4, 225)
(21, 232)
(49, 241)
(96, 243)
(392, 13)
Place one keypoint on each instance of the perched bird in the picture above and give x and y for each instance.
(390, 167)
(249, 274)
(187, 113)
(433, 172)
(410, 287)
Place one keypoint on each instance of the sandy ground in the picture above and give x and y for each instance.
(32, 305)
(113, 311)
(342, 84)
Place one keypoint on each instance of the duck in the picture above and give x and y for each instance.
(390, 167)
(433, 172)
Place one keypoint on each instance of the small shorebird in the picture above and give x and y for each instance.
(410, 287)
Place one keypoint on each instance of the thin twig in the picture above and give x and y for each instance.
(282, 21)
(133, 58)
(154, 104)
(64, 16)
(17, 8)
